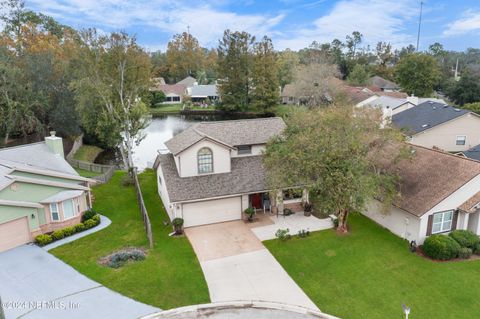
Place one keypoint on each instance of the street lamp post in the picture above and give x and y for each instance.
(406, 311)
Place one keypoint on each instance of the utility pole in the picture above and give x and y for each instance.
(419, 24)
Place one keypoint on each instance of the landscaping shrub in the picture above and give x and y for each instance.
(465, 238)
(89, 224)
(43, 239)
(477, 249)
(288, 212)
(68, 231)
(250, 212)
(283, 234)
(441, 247)
(303, 233)
(58, 234)
(121, 257)
(79, 227)
(88, 214)
(178, 225)
(464, 252)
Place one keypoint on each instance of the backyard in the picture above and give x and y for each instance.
(370, 273)
(169, 277)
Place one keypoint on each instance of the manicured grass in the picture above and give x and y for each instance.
(87, 153)
(370, 273)
(85, 173)
(169, 277)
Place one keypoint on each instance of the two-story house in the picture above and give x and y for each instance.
(214, 171)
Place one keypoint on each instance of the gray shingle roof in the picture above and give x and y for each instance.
(203, 90)
(37, 155)
(247, 175)
(188, 81)
(425, 116)
(387, 102)
(233, 133)
(473, 153)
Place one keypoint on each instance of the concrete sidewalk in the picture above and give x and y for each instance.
(35, 284)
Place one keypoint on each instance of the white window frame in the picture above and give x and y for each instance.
(73, 209)
(464, 140)
(442, 222)
(203, 161)
(54, 211)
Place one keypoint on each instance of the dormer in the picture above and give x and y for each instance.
(208, 147)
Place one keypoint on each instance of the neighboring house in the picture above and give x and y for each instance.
(214, 172)
(439, 192)
(439, 125)
(188, 82)
(174, 93)
(203, 93)
(377, 83)
(473, 153)
(288, 95)
(39, 192)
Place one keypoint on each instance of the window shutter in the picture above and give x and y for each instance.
(454, 220)
(429, 225)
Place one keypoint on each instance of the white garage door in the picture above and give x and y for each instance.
(212, 211)
(14, 233)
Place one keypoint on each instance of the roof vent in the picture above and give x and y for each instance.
(434, 107)
(424, 125)
(445, 106)
(430, 102)
(457, 110)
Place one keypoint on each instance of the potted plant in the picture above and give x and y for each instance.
(307, 209)
(250, 212)
(178, 225)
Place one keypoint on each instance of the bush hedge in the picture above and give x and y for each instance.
(441, 247)
(465, 238)
(464, 252)
(88, 214)
(45, 239)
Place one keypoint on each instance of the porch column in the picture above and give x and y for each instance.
(305, 197)
(279, 202)
(462, 222)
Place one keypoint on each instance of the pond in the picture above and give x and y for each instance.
(160, 130)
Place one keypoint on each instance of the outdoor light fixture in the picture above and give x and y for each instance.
(33, 216)
(406, 310)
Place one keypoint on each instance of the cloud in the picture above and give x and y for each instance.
(470, 21)
(206, 19)
(377, 20)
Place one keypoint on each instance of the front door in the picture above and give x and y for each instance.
(256, 201)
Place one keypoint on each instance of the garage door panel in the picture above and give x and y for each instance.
(213, 211)
(14, 233)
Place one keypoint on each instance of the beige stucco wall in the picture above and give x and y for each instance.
(256, 150)
(445, 135)
(187, 160)
(398, 221)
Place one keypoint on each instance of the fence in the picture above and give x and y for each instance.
(105, 172)
(143, 209)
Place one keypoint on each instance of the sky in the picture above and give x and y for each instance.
(291, 24)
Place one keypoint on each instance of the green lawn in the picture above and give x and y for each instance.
(169, 277)
(87, 153)
(85, 173)
(370, 272)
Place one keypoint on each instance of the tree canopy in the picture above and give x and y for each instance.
(417, 73)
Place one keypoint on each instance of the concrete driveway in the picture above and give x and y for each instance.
(237, 266)
(35, 284)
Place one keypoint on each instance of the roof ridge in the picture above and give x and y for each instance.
(242, 120)
(19, 146)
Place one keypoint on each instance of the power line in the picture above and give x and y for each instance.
(419, 24)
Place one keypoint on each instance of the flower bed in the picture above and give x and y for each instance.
(89, 220)
(121, 257)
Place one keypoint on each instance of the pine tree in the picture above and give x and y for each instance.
(265, 87)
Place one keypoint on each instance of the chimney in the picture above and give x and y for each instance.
(55, 143)
(413, 99)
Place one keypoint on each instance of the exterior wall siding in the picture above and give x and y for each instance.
(20, 191)
(398, 221)
(163, 193)
(444, 136)
(9, 213)
(47, 178)
(188, 159)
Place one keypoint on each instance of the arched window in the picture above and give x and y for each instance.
(205, 160)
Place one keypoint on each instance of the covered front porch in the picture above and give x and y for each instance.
(280, 202)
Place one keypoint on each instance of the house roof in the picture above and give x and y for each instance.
(425, 116)
(430, 176)
(382, 83)
(188, 81)
(470, 205)
(37, 155)
(288, 90)
(203, 90)
(473, 153)
(247, 175)
(61, 196)
(231, 133)
(387, 102)
(178, 89)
